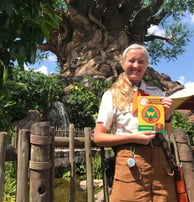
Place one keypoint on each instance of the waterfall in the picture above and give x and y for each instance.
(58, 116)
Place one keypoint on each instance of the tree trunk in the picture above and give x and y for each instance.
(93, 34)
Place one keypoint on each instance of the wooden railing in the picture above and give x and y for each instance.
(34, 152)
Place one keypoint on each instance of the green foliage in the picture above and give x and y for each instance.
(83, 103)
(150, 81)
(191, 134)
(24, 24)
(83, 106)
(5, 94)
(10, 183)
(180, 121)
(67, 172)
(80, 169)
(33, 90)
(171, 49)
(97, 166)
(27, 90)
(176, 34)
(98, 87)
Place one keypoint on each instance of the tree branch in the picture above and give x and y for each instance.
(155, 20)
(126, 9)
(143, 17)
(153, 37)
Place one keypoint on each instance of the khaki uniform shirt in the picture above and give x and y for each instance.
(121, 122)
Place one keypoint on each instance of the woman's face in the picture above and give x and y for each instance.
(135, 64)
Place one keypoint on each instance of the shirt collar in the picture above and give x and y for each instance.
(142, 86)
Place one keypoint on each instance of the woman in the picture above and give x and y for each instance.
(142, 172)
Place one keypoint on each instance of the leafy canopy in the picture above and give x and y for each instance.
(24, 24)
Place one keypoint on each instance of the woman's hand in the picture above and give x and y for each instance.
(168, 109)
(144, 137)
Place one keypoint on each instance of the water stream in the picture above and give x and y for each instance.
(58, 116)
(62, 191)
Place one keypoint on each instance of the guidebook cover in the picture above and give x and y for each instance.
(150, 114)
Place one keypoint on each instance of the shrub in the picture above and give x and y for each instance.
(32, 90)
(83, 103)
(181, 121)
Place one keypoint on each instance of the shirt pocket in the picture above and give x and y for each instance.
(124, 173)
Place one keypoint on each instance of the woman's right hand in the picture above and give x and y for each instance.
(144, 137)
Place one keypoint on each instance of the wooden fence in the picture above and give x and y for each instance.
(34, 152)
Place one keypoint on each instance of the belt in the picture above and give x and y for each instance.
(155, 143)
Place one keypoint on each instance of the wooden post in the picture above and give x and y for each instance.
(40, 163)
(186, 159)
(14, 140)
(72, 162)
(90, 191)
(105, 181)
(3, 138)
(22, 191)
(52, 155)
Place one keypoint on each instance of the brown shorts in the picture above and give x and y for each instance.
(150, 180)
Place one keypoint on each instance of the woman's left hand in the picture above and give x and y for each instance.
(168, 109)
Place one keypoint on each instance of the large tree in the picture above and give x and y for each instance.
(93, 33)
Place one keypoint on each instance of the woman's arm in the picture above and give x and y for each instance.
(168, 109)
(103, 138)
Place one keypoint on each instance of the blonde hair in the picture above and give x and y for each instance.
(122, 92)
(122, 89)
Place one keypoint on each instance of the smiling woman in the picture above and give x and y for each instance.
(139, 154)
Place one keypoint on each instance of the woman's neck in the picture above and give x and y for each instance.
(136, 84)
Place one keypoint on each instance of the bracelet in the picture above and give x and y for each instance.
(169, 120)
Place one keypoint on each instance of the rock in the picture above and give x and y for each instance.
(96, 183)
(32, 116)
(162, 81)
(191, 118)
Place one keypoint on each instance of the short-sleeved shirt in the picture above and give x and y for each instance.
(121, 122)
